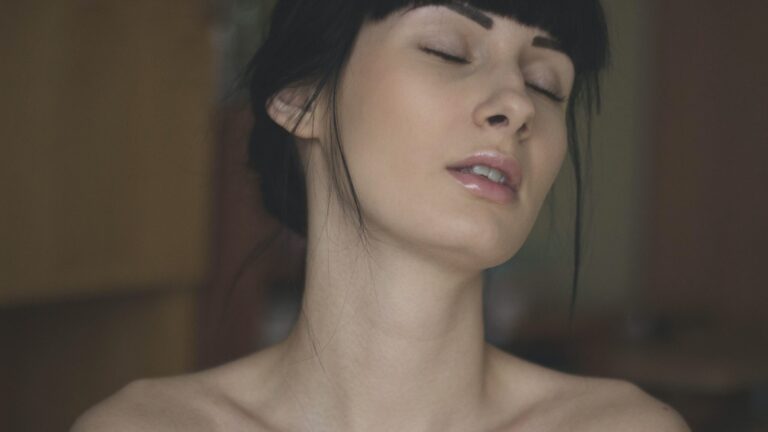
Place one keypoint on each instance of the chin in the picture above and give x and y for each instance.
(479, 253)
(466, 242)
(498, 257)
(481, 260)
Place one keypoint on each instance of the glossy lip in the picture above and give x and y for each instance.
(507, 165)
(481, 186)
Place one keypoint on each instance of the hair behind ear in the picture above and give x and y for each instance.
(280, 175)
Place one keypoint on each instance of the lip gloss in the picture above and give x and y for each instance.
(484, 187)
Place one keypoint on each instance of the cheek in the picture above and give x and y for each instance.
(548, 151)
(400, 131)
(393, 128)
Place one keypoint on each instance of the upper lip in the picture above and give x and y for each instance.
(508, 166)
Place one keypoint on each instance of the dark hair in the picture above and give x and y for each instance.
(309, 43)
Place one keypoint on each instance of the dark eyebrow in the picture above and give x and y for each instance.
(486, 22)
(546, 42)
(472, 13)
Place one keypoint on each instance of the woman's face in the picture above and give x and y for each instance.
(428, 88)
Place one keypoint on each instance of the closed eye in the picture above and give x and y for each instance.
(445, 56)
(461, 60)
(550, 94)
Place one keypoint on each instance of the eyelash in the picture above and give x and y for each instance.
(460, 60)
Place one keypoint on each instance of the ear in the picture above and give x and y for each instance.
(287, 106)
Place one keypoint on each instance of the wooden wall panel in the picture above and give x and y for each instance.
(105, 185)
(105, 153)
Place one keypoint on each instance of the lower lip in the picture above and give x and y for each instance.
(484, 187)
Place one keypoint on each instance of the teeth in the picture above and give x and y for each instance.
(481, 170)
(491, 173)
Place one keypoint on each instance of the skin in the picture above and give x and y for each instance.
(391, 337)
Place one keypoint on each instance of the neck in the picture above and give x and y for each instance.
(390, 332)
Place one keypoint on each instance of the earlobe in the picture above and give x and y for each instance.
(287, 107)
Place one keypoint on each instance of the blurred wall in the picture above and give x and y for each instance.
(105, 154)
(710, 212)
(105, 163)
(615, 223)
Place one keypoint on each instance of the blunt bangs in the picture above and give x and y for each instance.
(579, 25)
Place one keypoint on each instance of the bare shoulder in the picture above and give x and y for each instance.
(216, 399)
(181, 403)
(614, 405)
(576, 403)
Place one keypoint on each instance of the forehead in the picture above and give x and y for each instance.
(483, 19)
(546, 15)
(578, 25)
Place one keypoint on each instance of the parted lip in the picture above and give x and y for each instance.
(507, 165)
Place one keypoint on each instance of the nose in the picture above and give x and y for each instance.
(507, 110)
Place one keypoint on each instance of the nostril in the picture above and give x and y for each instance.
(499, 118)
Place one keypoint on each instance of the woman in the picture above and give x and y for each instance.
(413, 145)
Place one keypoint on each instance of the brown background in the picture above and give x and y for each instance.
(105, 198)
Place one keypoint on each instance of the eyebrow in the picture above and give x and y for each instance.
(546, 42)
(486, 22)
(472, 13)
